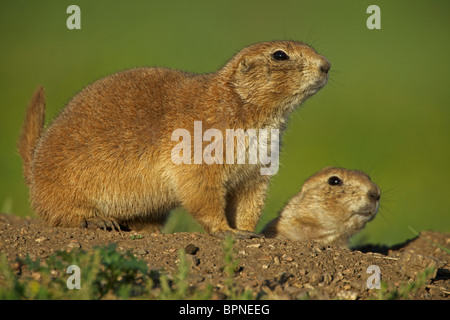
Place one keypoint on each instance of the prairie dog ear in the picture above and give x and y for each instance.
(245, 65)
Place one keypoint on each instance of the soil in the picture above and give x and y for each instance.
(270, 269)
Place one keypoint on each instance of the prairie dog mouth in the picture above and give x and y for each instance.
(370, 210)
(316, 86)
(319, 83)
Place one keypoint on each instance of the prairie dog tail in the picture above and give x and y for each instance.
(31, 130)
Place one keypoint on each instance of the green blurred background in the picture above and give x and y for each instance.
(385, 110)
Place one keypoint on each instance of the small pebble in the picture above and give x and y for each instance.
(191, 249)
(41, 239)
(141, 252)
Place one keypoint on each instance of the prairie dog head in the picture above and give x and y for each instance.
(278, 73)
(332, 205)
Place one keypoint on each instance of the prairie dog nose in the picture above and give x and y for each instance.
(325, 65)
(374, 194)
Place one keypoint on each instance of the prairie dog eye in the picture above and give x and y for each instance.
(334, 181)
(280, 55)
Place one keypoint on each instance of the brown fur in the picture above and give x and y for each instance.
(106, 158)
(326, 213)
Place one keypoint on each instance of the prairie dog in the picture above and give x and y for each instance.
(105, 161)
(332, 205)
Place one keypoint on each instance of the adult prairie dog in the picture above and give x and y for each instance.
(332, 205)
(105, 161)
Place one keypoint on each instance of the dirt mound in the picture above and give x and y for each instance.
(269, 269)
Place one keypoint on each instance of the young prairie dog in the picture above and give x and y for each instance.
(332, 205)
(105, 161)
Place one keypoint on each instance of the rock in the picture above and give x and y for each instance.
(41, 239)
(141, 252)
(315, 278)
(73, 245)
(411, 264)
(286, 257)
(347, 295)
(191, 249)
(276, 260)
